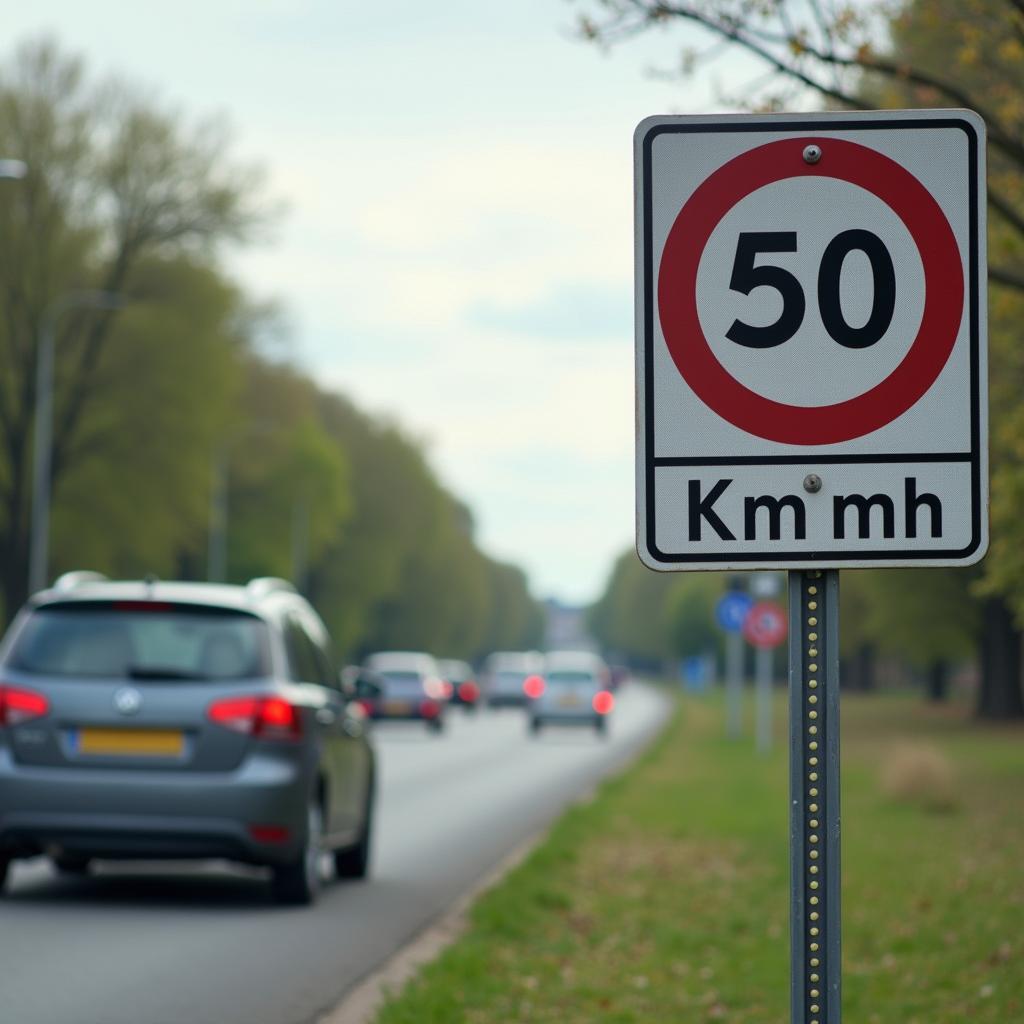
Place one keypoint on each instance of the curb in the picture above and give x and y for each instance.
(360, 1004)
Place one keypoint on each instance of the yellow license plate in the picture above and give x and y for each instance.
(397, 707)
(568, 700)
(145, 742)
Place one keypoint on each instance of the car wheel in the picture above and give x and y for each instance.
(298, 883)
(601, 725)
(71, 864)
(535, 725)
(436, 724)
(354, 861)
(5, 864)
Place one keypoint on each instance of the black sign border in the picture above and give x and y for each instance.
(798, 558)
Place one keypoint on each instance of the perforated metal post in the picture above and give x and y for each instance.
(815, 973)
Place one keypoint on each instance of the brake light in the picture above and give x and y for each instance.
(268, 718)
(430, 708)
(533, 687)
(469, 691)
(270, 833)
(435, 688)
(603, 702)
(18, 705)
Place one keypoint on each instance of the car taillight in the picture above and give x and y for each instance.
(18, 705)
(469, 691)
(533, 687)
(435, 689)
(270, 833)
(268, 718)
(430, 708)
(603, 702)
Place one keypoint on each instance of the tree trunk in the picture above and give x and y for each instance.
(999, 695)
(937, 686)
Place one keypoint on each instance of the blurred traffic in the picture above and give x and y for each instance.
(155, 720)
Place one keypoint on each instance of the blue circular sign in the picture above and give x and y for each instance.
(731, 610)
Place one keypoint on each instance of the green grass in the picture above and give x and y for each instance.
(666, 898)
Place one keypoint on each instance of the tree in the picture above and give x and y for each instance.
(839, 51)
(114, 180)
(133, 495)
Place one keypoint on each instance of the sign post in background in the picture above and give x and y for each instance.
(731, 611)
(765, 629)
(811, 394)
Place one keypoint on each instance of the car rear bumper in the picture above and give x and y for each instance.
(507, 700)
(423, 710)
(139, 814)
(567, 717)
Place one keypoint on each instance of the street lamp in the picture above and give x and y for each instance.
(217, 539)
(42, 450)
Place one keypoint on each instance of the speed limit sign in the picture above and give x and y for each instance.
(811, 340)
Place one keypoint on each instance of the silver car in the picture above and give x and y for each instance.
(575, 691)
(411, 687)
(168, 720)
(508, 676)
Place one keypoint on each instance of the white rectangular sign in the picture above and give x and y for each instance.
(811, 340)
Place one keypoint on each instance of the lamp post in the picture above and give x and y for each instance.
(217, 538)
(42, 450)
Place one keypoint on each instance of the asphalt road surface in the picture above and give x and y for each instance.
(204, 944)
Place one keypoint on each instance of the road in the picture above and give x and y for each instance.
(203, 944)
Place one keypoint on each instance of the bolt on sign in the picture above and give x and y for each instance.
(811, 340)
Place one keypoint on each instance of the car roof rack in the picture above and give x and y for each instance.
(263, 585)
(70, 580)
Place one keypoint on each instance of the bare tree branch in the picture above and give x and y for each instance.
(1009, 278)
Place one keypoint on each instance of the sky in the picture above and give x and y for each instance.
(456, 248)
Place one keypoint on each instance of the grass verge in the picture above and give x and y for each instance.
(666, 898)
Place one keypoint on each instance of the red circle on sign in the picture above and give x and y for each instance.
(765, 625)
(943, 280)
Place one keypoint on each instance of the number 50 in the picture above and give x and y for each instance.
(746, 277)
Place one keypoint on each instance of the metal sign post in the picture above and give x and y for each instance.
(731, 612)
(815, 969)
(734, 685)
(765, 628)
(763, 675)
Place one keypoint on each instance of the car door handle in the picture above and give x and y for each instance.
(325, 716)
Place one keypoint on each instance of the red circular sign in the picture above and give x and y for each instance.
(765, 625)
(943, 277)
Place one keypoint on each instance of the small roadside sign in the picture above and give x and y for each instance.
(811, 331)
(732, 610)
(765, 625)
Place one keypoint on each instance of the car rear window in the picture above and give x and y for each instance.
(569, 678)
(511, 677)
(142, 640)
(401, 677)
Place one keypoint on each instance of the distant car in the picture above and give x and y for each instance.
(462, 679)
(505, 677)
(412, 687)
(575, 691)
(170, 720)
